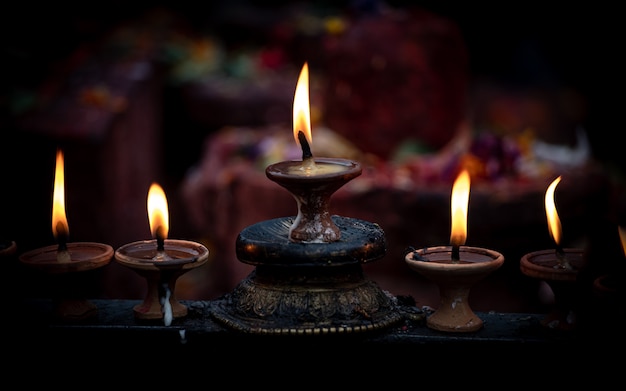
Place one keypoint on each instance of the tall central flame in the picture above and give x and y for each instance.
(301, 106)
(554, 223)
(59, 219)
(460, 200)
(157, 212)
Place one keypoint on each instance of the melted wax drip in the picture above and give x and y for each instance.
(166, 305)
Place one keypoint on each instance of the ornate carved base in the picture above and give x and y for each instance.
(311, 300)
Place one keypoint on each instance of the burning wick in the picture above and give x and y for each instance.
(302, 118)
(161, 255)
(160, 239)
(308, 163)
(554, 225)
(560, 254)
(563, 261)
(459, 201)
(306, 148)
(61, 236)
(60, 228)
(456, 257)
(158, 216)
(62, 254)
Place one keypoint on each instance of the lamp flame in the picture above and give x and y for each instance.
(157, 212)
(554, 223)
(460, 200)
(60, 229)
(301, 107)
(622, 237)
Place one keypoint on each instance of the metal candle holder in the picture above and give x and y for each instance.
(308, 277)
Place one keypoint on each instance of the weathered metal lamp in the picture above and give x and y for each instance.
(308, 277)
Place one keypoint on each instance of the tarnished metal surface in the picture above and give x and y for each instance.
(267, 242)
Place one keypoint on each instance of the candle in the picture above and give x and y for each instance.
(67, 257)
(308, 166)
(311, 180)
(158, 216)
(554, 225)
(455, 268)
(302, 121)
(560, 263)
(558, 268)
(60, 229)
(459, 202)
(161, 261)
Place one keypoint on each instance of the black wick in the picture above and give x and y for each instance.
(306, 148)
(160, 239)
(62, 236)
(456, 256)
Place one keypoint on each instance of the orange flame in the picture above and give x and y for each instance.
(460, 200)
(301, 106)
(158, 212)
(59, 219)
(622, 237)
(554, 223)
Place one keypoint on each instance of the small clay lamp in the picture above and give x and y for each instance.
(559, 268)
(456, 268)
(161, 262)
(7, 248)
(67, 259)
(609, 291)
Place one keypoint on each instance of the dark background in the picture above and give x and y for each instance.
(573, 45)
(517, 45)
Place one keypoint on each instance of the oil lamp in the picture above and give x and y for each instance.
(558, 267)
(66, 259)
(311, 180)
(7, 248)
(608, 290)
(455, 268)
(161, 261)
(308, 277)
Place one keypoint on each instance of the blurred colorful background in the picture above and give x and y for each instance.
(198, 97)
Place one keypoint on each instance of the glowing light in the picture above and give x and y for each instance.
(622, 237)
(59, 219)
(554, 223)
(158, 212)
(301, 106)
(460, 200)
